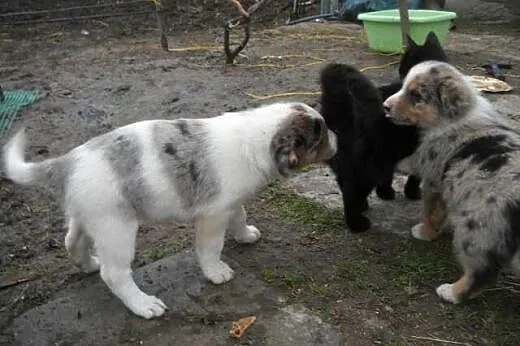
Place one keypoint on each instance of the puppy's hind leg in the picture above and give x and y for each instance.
(469, 285)
(354, 204)
(79, 246)
(210, 233)
(481, 261)
(238, 227)
(384, 189)
(114, 237)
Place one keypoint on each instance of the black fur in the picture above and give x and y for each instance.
(369, 145)
(415, 54)
(487, 151)
(170, 149)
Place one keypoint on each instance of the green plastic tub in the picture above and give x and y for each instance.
(383, 28)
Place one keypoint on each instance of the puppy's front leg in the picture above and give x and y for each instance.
(434, 216)
(211, 231)
(242, 232)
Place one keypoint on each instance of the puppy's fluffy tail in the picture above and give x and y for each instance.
(28, 173)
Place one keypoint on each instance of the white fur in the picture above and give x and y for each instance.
(445, 291)
(102, 226)
(20, 170)
(417, 231)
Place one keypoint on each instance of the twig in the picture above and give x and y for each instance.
(194, 48)
(18, 282)
(379, 67)
(76, 18)
(266, 97)
(304, 93)
(503, 288)
(15, 300)
(439, 340)
(511, 283)
(316, 61)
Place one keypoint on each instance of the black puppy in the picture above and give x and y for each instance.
(369, 145)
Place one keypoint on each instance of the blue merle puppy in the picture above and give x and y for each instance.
(469, 160)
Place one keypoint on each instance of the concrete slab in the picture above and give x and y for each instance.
(200, 312)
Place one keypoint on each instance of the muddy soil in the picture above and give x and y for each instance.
(378, 287)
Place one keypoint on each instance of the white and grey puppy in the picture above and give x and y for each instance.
(470, 162)
(188, 170)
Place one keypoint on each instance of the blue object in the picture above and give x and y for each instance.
(350, 9)
(13, 101)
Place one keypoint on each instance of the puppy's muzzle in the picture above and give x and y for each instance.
(392, 113)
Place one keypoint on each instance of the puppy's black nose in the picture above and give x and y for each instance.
(387, 109)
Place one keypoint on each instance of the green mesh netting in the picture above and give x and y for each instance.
(13, 102)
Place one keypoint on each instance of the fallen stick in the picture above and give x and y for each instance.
(18, 282)
(426, 338)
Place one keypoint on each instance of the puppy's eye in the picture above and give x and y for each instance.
(415, 96)
(298, 142)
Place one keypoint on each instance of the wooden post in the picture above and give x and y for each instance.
(161, 22)
(405, 21)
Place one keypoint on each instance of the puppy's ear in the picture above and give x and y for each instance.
(453, 96)
(410, 43)
(432, 40)
(299, 137)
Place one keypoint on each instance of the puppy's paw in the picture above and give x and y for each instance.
(417, 231)
(386, 193)
(91, 266)
(147, 306)
(218, 273)
(358, 224)
(249, 235)
(445, 292)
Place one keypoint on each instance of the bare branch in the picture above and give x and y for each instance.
(245, 19)
(232, 54)
(239, 8)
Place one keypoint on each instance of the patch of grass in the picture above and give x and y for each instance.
(358, 273)
(288, 205)
(495, 311)
(164, 250)
(390, 273)
(268, 275)
(422, 263)
(292, 281)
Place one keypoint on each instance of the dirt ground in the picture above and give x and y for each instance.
(377, 287)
